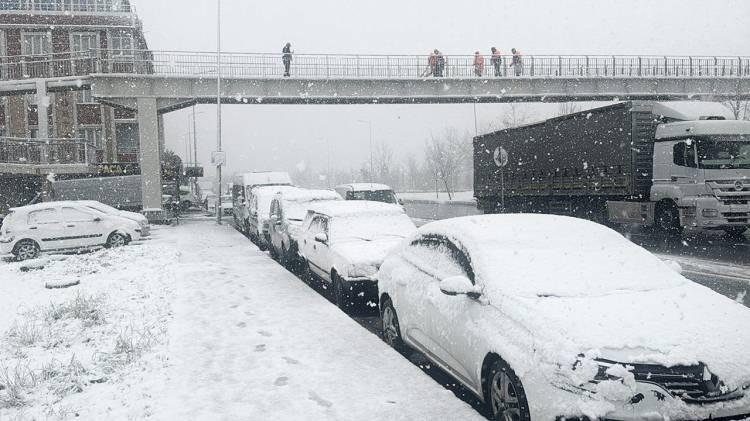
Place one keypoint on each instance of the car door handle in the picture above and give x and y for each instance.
(33, 228)
(70, 226)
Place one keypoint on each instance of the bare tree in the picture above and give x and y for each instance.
(740, 108)
(446, 155)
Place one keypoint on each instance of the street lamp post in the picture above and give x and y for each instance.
(369, 123)
(218, 105)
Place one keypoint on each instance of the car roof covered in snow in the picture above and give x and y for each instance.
(263, 178)
(363, 187)
(272, 190)
(46, 205)
(547, 255)
(342, 208)
(308, 195)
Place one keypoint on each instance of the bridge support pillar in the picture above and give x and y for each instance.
(150, 159)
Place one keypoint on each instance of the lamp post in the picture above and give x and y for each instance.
(218, 104)
(369, 123)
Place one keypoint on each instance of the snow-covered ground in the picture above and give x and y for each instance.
(194, 324)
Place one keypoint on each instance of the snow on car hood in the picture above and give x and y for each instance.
(685, 325)
(361, 252)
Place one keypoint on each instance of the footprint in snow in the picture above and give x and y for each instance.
(242, 324)
(246, 298)
(281, 381)
(249, 313)
(260, 348)
(320, 401)
(233, 306)
(264, 333)
(290, 360)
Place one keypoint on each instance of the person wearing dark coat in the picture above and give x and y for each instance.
(286, 58)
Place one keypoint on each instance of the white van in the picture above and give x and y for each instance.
(242, 195)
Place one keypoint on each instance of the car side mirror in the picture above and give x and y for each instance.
(459, 285)
(401, 202)
(321, 237)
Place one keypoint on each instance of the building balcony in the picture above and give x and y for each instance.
(75, 64)
(67, 7)
(45, 156)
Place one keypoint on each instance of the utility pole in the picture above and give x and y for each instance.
(218, 107)
(372, 167)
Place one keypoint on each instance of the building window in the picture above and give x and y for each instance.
(85, 97)
(92, 136)
(36, 43)
(44, 5)
(82, 43)
(121, 44)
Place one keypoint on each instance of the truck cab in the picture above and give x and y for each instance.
(702, 174)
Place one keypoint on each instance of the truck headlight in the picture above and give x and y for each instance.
(710, 213)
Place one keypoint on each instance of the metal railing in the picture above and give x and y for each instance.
(70, 6)
(239, 65)
(46, 151)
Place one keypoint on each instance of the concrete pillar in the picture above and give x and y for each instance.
(42, 106)
(161, 132)
(150, 160)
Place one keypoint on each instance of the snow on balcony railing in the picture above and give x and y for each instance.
(46, 151)
(66, 6)
(308, 66)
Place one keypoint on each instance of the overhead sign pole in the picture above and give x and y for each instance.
(218, 162)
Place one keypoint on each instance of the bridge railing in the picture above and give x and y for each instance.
(46, 151)
(239, 65)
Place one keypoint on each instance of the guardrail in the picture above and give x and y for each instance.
(310, 66)
(46, 151)
(62, 6)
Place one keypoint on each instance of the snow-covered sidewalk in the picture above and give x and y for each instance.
(243, 339)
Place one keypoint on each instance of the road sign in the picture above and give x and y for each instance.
(218, 158)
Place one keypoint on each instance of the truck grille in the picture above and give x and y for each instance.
(685, 382)
(727, 192)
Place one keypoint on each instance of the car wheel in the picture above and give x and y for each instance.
(26, 250)
(506, 397)
(116, 240)
(340, 293)
(667, 219)
(391, 333)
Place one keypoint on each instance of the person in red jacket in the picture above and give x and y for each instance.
(478, 64)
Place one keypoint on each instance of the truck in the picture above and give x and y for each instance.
(670, 165)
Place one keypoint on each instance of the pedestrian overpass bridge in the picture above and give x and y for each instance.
(156, 82)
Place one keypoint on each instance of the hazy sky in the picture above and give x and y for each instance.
(275, 136)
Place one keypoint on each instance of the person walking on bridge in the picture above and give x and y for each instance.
(497, 62)
(286, 58)
(431, 64)
(517, 63)
(440, 66)
(478, 64)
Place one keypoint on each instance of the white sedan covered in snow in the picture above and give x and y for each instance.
(53, 226)
(343, 243)
(545, 316)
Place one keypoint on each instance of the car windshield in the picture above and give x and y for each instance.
(370, 227)
(724, 152)
(101, 207)
(385, 196)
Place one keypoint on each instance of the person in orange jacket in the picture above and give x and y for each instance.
(478, 64)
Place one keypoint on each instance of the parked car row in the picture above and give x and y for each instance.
(540, 316)
(68, 225)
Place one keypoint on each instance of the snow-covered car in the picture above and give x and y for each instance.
(367, 191)
(242, 192)
(344, 242)
(259, 208)
(188, 199)
(544, 316)
(227, 206)
(288, 211)
(53, 226)
(109, 210)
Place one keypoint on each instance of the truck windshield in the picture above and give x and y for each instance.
(724, 152)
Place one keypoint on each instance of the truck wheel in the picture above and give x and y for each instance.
(26, 250)
(667, 219)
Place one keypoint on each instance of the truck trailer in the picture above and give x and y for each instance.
(672, 165)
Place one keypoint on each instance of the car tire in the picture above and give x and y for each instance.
(340, 294)
(391, 332)
(504, 394)
(667, 219)
(116, 240)
(26, 250)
